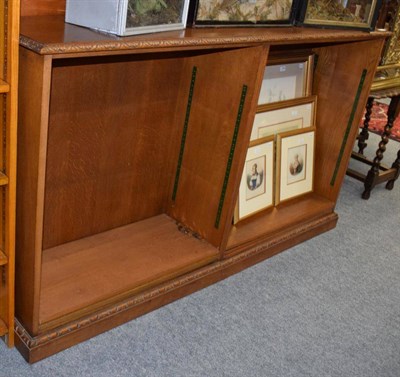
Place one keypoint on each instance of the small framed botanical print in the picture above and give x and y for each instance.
(283, 117)
(295, 164)
(242, 12)
(339, 14)
(256, 191)
(286, 81)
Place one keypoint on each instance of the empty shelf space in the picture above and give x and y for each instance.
(84, 275)
(4, 87)
(286, 215)
(3, 179)
(3, 328)
(3, 259)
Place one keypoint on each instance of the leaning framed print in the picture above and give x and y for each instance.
(361, 15)
(285, 81)
(256, 192)
(283, 117)
(295, 164)
(242, 12)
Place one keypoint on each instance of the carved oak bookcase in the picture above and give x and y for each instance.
(9, 38)
(131, 152)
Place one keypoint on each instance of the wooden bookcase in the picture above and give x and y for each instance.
(9, 44)
(131, 155)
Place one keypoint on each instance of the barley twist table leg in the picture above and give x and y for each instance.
(373, 173)
(396, 165)
(364, 135)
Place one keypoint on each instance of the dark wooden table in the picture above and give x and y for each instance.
(378, 173)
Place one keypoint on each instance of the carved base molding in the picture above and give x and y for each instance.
(35, 348)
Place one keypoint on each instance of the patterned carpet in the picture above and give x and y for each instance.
(379, 119)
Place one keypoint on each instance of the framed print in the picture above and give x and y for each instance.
(256, 191)
(287, 116)
(242, 12)
(354, 14)
(128, 17)
(295, 164)
(286, 81)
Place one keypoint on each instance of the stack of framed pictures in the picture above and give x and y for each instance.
(280, 159)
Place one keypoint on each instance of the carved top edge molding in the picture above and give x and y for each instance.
(273, 37)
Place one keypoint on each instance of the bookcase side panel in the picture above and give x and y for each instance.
(34, 78)
(342, 81)
(214, 140)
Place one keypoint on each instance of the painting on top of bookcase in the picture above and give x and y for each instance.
(355, 14)
(243, 12)
(154, 12)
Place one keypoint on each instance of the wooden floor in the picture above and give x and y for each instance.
(83, 275)
(280, 218)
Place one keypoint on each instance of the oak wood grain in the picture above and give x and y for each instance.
(52, 341)
(278, 219)
(32, 144)
(81, 276)
(3, 259)
(111, 130)
(56, 37)
(209, 138)
(42, 7)
(335, 75)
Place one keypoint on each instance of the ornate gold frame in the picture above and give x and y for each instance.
(388, 73)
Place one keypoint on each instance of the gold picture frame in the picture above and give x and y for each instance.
(256, 191)
(286, 79)
(344, 14)
(295, 164)
(284, 116)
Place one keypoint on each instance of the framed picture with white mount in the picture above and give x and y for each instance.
(284, 116)
(295, 151)
(286, 78)
(256, 191)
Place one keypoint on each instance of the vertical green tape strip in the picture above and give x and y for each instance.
(351, 118)
(231, 153)
(184, 134)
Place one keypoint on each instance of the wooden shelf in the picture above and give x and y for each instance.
(3, 259)
(95, 271)
(281, 218)
(96, 154)
(57, 38)
(3, 179)
(4, 87)
(3, 328)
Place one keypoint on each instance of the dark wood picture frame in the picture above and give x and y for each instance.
(194, 20)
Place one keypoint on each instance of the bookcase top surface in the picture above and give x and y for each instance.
(50, 35)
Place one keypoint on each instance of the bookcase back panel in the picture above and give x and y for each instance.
(218, 131)
(342, 80)
(42, 7)
(111, 129)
